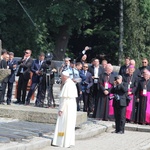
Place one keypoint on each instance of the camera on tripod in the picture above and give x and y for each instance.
(48, 58)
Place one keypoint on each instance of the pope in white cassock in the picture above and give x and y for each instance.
(64, 135)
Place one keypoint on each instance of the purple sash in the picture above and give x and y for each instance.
(147, 118)
(129, 108)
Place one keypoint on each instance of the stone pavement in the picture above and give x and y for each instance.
(91, 135)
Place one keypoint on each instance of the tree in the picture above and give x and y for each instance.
(137, 22)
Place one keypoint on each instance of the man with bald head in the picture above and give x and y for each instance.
(143, 98)
(104, 109)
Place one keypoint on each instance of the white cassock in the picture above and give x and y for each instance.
(64, 135)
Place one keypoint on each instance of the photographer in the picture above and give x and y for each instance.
(83, 56)
(48, 71)
(119, 90)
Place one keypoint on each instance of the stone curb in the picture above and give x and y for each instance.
(34, 144)
(92, 128)
(136, 127)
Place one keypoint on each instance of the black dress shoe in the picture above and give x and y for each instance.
(16, 102)
(114, 131)
(120, 132)
(8, 104)
(27, 103)
(21, 103)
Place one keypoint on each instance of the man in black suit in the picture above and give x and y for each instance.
(12, 64)
(96, 70)
(145, 65)
(3, 65)
(86, 84)
(36, 70)
(119, 90)
(24, 76)
(123, 68)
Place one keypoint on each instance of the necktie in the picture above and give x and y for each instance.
(73, 72)
(40, 62)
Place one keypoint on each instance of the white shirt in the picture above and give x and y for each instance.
(96, 74)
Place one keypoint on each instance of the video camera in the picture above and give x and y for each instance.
(48, 58)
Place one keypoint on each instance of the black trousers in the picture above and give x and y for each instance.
(86, 101)
(9, 92)
(2, 93)
(32, 90)
(21, 90)
(120, 117)
(93, 96)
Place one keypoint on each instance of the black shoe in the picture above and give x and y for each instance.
(16, 102)
(120, 132)
(27, 103)
(21, 103)
(8, 103)
(114, 131)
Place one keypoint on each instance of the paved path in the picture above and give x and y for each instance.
(110, 141)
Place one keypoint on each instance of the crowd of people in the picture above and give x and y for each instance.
(107, 95)
(40, 71)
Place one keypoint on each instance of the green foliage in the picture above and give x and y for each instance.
(137, 31)
(81, 22)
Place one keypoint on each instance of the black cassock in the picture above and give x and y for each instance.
(132, 81)
(144, 101)
(104, 109)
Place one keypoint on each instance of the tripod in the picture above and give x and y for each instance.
(49, 90)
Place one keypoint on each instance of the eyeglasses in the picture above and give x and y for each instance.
(144, 62)
(26, 53)
(85, 66)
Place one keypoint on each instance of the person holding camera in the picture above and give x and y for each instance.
(83, 56)
(119, 90)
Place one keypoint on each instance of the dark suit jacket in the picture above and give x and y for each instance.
(35, 67)
(3, 64)
(120, 90)
(100, 70)
(11, 77)
(26, 68)
(123, 69)
(87, 82)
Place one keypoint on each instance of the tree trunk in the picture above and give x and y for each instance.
(0, 47)
(121, 28)
(61, 43)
